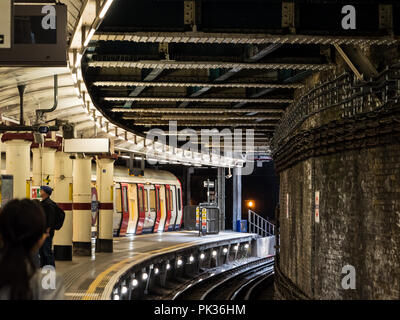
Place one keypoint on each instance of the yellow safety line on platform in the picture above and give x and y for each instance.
(94, 285)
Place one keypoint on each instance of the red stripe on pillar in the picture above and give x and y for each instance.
(106, 206)
(65, 206)
(82, 206)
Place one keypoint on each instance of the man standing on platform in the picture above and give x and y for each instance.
(48, 205)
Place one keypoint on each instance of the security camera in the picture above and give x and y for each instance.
(43, 129)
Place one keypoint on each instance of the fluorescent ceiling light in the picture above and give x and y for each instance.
(89, 37)
(105, 9)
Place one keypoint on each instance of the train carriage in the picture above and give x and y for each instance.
(145, 204)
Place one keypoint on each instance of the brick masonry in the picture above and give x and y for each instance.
(359, 222)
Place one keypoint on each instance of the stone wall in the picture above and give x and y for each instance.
(359, 223)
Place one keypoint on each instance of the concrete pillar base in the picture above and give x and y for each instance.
(63, 253)
(83, 249)
(104, 245)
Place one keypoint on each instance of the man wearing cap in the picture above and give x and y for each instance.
(45, 252)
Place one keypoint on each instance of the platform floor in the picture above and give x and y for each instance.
(86, 277)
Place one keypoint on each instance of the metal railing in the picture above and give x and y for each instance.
(259, 225)
(350, 95)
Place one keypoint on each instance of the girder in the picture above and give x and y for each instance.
(235, 38)
(195, 84)
(194, 110)
(164, 64)
(179, 99)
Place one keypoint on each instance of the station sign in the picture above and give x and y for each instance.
(94, 206)
(287, 206)
(35, 193)
(197, 216)
(87, 145)
(6, 24)
(204, 220)
(317, 198)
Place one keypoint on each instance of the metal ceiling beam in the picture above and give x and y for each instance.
(195, 84)
(198, 124)
(256, 57)
(211, 134)
(179, 99)
(199, 118)
(194, 110)
(289, 80)
(236, 38)
(139, 89)
(165, 64)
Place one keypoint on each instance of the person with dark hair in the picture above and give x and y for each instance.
(46, 252)
(22, 232)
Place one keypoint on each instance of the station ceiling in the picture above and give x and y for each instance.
(224, 64)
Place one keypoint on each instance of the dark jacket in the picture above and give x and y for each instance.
(49, 209)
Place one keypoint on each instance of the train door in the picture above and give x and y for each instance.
(167, 206)
(141, 209)
(125, 210)
(172, 201)
(133, 209)
(117, 217)
(163, 209)
(158, 208)
(150, 208)
(179, 209)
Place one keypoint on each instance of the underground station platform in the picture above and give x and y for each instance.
(95, 277)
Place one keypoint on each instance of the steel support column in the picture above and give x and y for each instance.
(221, 197)
(237, 196)
(188, 178)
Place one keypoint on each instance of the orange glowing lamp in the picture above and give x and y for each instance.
(251, 203)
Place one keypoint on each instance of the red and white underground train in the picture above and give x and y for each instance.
(145, 204)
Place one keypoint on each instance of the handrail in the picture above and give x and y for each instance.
(260, 226)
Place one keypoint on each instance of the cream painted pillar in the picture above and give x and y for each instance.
(36, 167)
(82, 216)
(63, 196)
(1, 150)
(43, 163)
(18, 162)
(48, 165)
(105, 179)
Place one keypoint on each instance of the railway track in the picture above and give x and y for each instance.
(231, 284)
